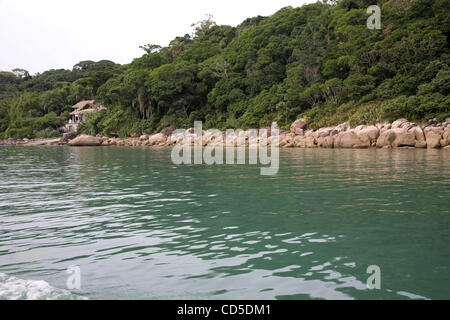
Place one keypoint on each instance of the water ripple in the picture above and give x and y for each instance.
(140, 227)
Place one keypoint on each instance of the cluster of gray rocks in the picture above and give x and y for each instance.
(399, 134)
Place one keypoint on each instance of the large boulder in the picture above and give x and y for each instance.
(368, 134)
(175, 138)
(325, 142)
(433, 136)
(419, 136)
(386, 138)
(300, 142)
(383, 126)
(343, 127)
(299, 127)
(445, 141)
(85, 141)
(323, 132)
(398, 123)
(310, 142)
(108, 142)
(286, 140)
(396, 138)
(360, 127)
(134, 142)
(402, 123)
(304, 142)
(418, 133)
(350, 139)
(420, 144)
(157, 139)
(403, 138)
(309, 133)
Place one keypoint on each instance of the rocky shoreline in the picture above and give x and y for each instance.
(399, 134)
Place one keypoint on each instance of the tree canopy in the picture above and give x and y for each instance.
(318, 61)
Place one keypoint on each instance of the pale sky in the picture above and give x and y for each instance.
(38, 35)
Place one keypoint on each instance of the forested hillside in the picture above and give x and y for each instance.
(318, 61)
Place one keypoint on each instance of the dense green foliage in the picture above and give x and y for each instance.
(319, 61)
(35, 107)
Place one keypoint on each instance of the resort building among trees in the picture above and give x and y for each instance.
(81, 109)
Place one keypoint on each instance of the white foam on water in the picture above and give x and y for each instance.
(412, 295)
(12, 288)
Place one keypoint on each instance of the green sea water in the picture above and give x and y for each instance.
(140, 227)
